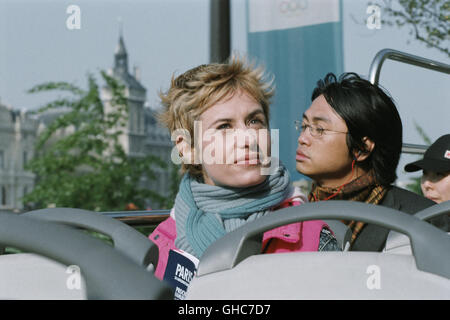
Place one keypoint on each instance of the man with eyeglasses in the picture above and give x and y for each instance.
(349, 145)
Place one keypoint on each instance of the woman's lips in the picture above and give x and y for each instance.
(248, 160)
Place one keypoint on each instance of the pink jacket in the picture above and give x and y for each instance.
(301, 236)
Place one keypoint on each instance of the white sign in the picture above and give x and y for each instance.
(267, 15)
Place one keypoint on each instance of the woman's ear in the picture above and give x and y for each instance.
(361, 155)
(184, 149)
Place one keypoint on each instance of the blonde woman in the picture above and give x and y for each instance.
(218, 115)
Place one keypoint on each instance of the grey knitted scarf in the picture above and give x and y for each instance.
(204, 213)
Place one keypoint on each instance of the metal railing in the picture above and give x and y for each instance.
(382, 55)
(374, 77)
(414, 148)
(139, 218)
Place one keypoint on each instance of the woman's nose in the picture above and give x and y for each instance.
(247, 138)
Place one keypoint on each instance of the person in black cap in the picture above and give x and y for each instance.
(435, 164)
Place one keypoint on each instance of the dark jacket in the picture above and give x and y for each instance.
(373, 237)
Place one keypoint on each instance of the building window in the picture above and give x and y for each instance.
(2, 160)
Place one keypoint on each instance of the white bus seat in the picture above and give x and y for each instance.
(27, 276)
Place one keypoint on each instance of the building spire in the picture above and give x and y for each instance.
(120, 69)
(120, 56)
(120, 20)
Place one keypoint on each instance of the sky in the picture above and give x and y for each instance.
(161, 37)
(164, 37)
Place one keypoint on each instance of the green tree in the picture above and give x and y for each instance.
(79, 161)
(428, 21)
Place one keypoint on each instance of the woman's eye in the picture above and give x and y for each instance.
(224, 126)
(257, 122)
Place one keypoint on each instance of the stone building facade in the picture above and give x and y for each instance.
(141, 136)
(17, 138)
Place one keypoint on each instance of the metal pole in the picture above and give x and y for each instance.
(219, 30)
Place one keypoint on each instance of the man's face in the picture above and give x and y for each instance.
(436, 186)
(326, 158)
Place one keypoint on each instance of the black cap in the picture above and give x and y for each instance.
(436, 158)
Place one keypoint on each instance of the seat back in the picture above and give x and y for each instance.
(30, 276)
(126, 239)
(232, 268)
(321, 275)
(399, 243)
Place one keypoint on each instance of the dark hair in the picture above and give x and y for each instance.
(368, 112)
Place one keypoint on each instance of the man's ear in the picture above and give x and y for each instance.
(184, 149)
(361, 155)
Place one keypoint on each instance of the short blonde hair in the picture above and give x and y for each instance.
(193, 92)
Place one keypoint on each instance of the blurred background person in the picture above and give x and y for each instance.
(435, 182)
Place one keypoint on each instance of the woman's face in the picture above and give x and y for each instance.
(235, 142)
(436, 186)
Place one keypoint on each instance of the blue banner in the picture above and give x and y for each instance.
(299, 42)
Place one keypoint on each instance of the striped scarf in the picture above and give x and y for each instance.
(204, 213)
(363, 189)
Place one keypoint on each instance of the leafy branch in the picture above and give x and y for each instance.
(428, 20)
(79, 161)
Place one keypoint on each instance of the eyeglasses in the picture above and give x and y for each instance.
(313, 130)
